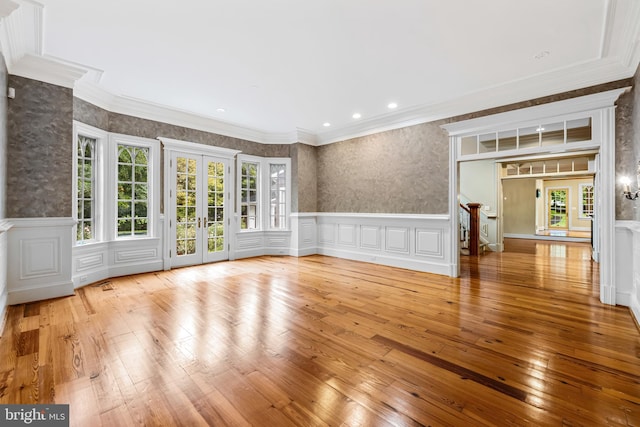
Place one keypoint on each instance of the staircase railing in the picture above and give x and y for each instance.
(470, 227)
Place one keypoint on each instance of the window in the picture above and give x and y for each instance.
(85, 188)
(278, 196)
(133, 191)
(249, 195)
(264, 196)
(586, 201)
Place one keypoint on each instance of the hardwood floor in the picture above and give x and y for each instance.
(519, 339)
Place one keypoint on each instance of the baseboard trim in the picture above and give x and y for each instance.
(410, 264)
(38, 293)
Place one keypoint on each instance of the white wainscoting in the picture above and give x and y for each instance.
(39, 259)
(256, 243)
(99, 261)
(417, 242)
(627, 268)
(4, 292)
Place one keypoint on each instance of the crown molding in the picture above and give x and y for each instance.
(535, 113)
(48, 70)
(550, 83)
(21, 42)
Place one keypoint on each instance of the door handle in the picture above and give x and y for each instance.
(199, 224)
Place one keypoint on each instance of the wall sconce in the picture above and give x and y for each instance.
(626, 181)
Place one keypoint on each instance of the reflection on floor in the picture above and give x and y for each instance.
(564, 235)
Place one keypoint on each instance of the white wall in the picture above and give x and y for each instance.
(627, 268)
(478, 183)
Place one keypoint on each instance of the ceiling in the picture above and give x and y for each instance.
(281, 69)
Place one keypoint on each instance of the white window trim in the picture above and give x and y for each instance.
(264, 219)
(101, 138)
(245, 158)
(153, 176)
(581, 188)
(267, 193)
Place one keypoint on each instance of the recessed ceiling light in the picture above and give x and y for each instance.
(326, 124)
(540, 129)
(392, 105)
(357, 115)
(221, 110)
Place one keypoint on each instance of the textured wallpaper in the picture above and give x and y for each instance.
(398, 171)
(39, 150)
(304, 190)
(3, 137)
(628, 148)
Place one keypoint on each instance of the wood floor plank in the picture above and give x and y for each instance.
(519, 339)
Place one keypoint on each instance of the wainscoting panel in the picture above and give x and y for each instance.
(4, 228)
(397, 239)
(39, 259)
(347, 235)
(99, 261)
(257, 243)
(370, 237)
(417, 242)
(303, 234)
(627, 269)
(429, 243)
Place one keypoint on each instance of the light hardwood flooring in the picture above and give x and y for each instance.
(519, 339)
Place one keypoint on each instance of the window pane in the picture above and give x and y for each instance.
(278, 195)
(249, 182)
(579, 130)
(469, 145)
(507, 140)
(552, 134)
(487, 143)
(529, 137)
(85, 165)
(133, 189)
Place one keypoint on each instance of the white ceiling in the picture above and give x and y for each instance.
(284, 65)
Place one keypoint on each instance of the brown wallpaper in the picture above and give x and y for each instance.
(3, 136)
(628, 148)
(39, 150)
(409, 167)
(304, 174)
(399, 171)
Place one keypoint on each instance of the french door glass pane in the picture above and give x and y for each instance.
(186, 218)
(215, 207)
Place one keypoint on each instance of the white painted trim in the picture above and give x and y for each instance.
(601, 108)
(41, 222)
(436, 217)
(531, 115)
(22, 43)
(38, 293)
(5, 225)
(198, 149)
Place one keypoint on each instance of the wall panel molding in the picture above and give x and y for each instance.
(39, 259)
(417, 242)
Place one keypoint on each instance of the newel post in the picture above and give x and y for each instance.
(474, 228)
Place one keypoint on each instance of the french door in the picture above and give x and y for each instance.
(558, 208)
(200, 204)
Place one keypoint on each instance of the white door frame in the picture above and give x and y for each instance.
(601, 107)
(171, 146)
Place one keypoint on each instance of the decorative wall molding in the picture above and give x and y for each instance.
(257, 243)
(627, 269)
(22, 44)
(39, 259)
(417, 242)
(94, 262)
